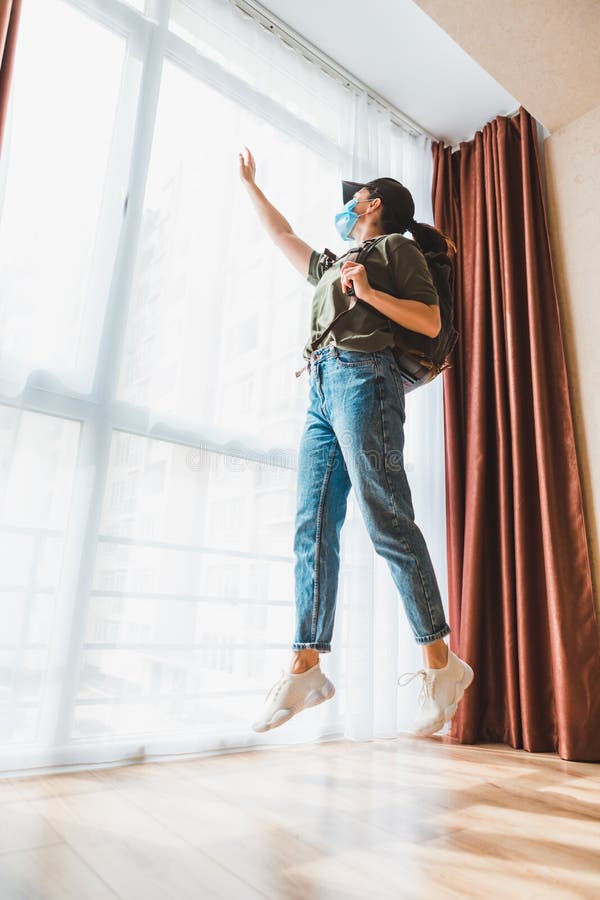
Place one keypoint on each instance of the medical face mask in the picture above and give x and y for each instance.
(346, 219)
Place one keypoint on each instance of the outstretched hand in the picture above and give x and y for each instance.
(247, 167)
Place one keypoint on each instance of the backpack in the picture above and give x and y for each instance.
(419, 358)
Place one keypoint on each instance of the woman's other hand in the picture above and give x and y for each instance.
(357, 274)
(247, 167)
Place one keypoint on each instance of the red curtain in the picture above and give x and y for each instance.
(520, 587)
(10, 12)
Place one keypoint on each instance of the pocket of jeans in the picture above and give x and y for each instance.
(352, 358)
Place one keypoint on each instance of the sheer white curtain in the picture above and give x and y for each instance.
(149, 412)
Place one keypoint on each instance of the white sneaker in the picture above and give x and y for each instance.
(440, 693)
(292, 693)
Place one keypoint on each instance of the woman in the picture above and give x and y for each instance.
(354, 436)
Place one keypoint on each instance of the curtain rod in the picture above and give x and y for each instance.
(293, 39)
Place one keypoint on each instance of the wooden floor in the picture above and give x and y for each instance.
(412, 817)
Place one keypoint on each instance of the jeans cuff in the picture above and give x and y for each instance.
(430, 638)
(321, 646)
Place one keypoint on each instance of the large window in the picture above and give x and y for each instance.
(149, 411)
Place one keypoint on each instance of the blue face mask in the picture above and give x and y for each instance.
(346, 219)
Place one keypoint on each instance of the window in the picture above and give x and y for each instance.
(149, 335)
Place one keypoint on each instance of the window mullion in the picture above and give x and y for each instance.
(95, 442)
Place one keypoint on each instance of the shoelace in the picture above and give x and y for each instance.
(425, 691)
(277, 685)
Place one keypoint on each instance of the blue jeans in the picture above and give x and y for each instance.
(354, 436)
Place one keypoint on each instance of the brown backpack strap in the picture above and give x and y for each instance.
(314, 345)
(359, 254)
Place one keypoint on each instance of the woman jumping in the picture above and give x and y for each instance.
(354, 437)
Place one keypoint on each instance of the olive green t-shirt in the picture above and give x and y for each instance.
(397, 266)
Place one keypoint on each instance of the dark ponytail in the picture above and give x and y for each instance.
(432, 239)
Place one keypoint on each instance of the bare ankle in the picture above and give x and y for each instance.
(303, 660)
(436, 654)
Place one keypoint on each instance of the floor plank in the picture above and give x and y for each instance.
(337, 820)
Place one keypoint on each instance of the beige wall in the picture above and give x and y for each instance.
(572, 164)
(545, 52)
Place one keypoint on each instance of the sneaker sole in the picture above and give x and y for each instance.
(463, 684)
(313, 698)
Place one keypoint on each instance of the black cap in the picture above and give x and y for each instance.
(396, 198)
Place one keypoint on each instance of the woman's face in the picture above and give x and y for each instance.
(368, 208)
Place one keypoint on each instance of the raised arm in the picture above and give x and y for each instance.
(278, 228)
